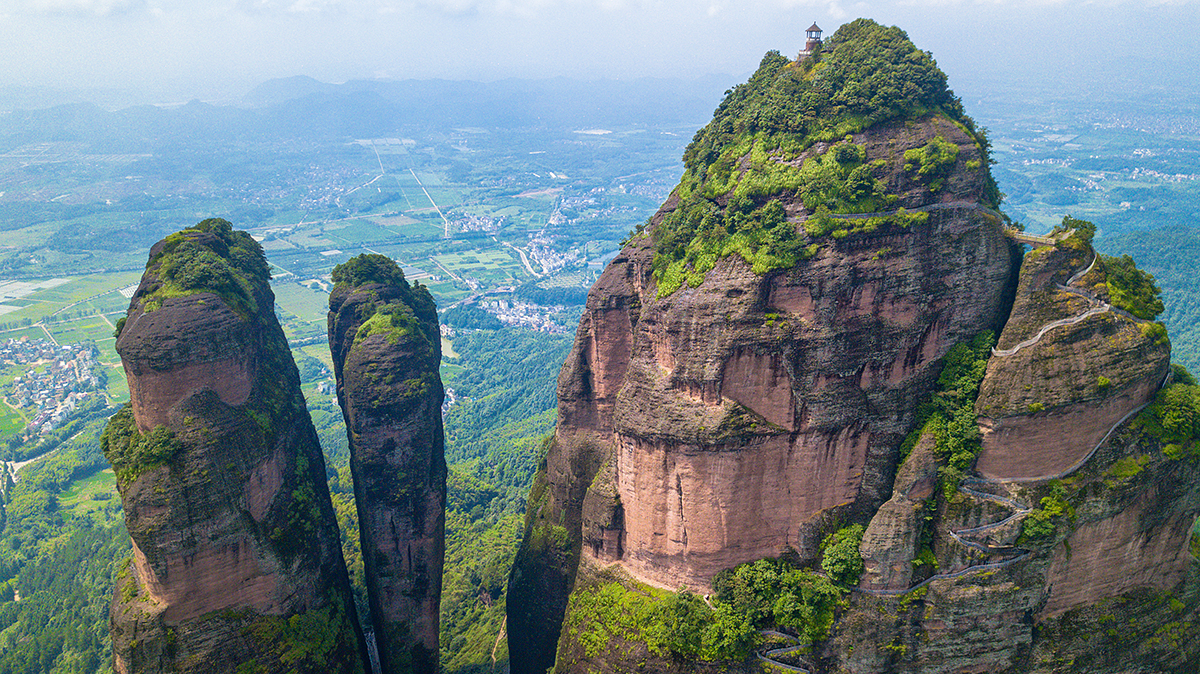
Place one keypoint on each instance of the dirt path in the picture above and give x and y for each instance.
(496, 646)
(524, 259)
(435, 206)
(13, 466)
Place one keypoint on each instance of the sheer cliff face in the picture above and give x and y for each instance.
(753, 406)
(748, 374)
(741, 417)
(237, 561)
(1105, 572)
(386, 351)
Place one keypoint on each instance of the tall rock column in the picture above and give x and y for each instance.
(236, 562)
(386, 352)
(747, 367)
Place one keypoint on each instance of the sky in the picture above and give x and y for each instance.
(214, 48)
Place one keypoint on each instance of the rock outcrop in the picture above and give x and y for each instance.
(386, 353)
(747, 382)
(745, 413)
(1068, 367)
(237, 564)
(1075, 520)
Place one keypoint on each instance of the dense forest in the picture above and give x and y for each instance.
(1170, 254)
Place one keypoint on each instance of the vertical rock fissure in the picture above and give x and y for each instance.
(386, 347)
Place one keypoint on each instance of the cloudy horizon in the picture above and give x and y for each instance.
(196, 49)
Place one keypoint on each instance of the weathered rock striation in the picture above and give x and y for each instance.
(798, 343)
(1065, 391)
(237, 564)
(386, 353)
(1068, 550)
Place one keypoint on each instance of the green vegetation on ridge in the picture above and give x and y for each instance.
(227, 263)
(1173, 417)
(949, 416)
(609, 614)
(864, 75)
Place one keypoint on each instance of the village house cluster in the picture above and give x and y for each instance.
(477, 223)
(57, 380)
(524, 314)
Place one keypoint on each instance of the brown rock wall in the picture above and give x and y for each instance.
(703, 509)
(1110, 557)
(890, 542)
(1046, 444)
(221, 477)
(818, 400)
(1044, 408)
(220, 360)
(391, 397)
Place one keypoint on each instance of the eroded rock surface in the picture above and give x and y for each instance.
(749, 367)
(740, 418)
(1106, 572)
(237, 564)
(1045, 407)
(386, 352)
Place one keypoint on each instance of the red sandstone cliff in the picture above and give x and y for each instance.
(1059, 447)
(746, 372)
(237, 564)
(386, 353)
(1052, 393)
(734, 420)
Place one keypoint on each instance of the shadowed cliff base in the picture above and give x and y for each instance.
(383, 334)
(237, 564)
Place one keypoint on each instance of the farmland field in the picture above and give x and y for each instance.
(11, 421)
(92, 497)
(92, 328)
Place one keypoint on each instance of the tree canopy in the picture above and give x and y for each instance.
(741, 162)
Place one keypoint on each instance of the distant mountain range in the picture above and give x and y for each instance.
(303, 107)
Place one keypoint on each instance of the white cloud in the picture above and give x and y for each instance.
(69, 7)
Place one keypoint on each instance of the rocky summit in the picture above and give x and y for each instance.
(236, 561)
(823, 408)
(386, 348)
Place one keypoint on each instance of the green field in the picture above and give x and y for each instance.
(445, 292)
(118, 387)
(357, 231)
(478, 260)
(449, 370)
(111, 303)
(394, 222)
(306, 304)
(95, 292)
(311, 236)
(30, 332)
(320, 352)
(11, 421)
(88, 497)
(83, 287)
(91, 328)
